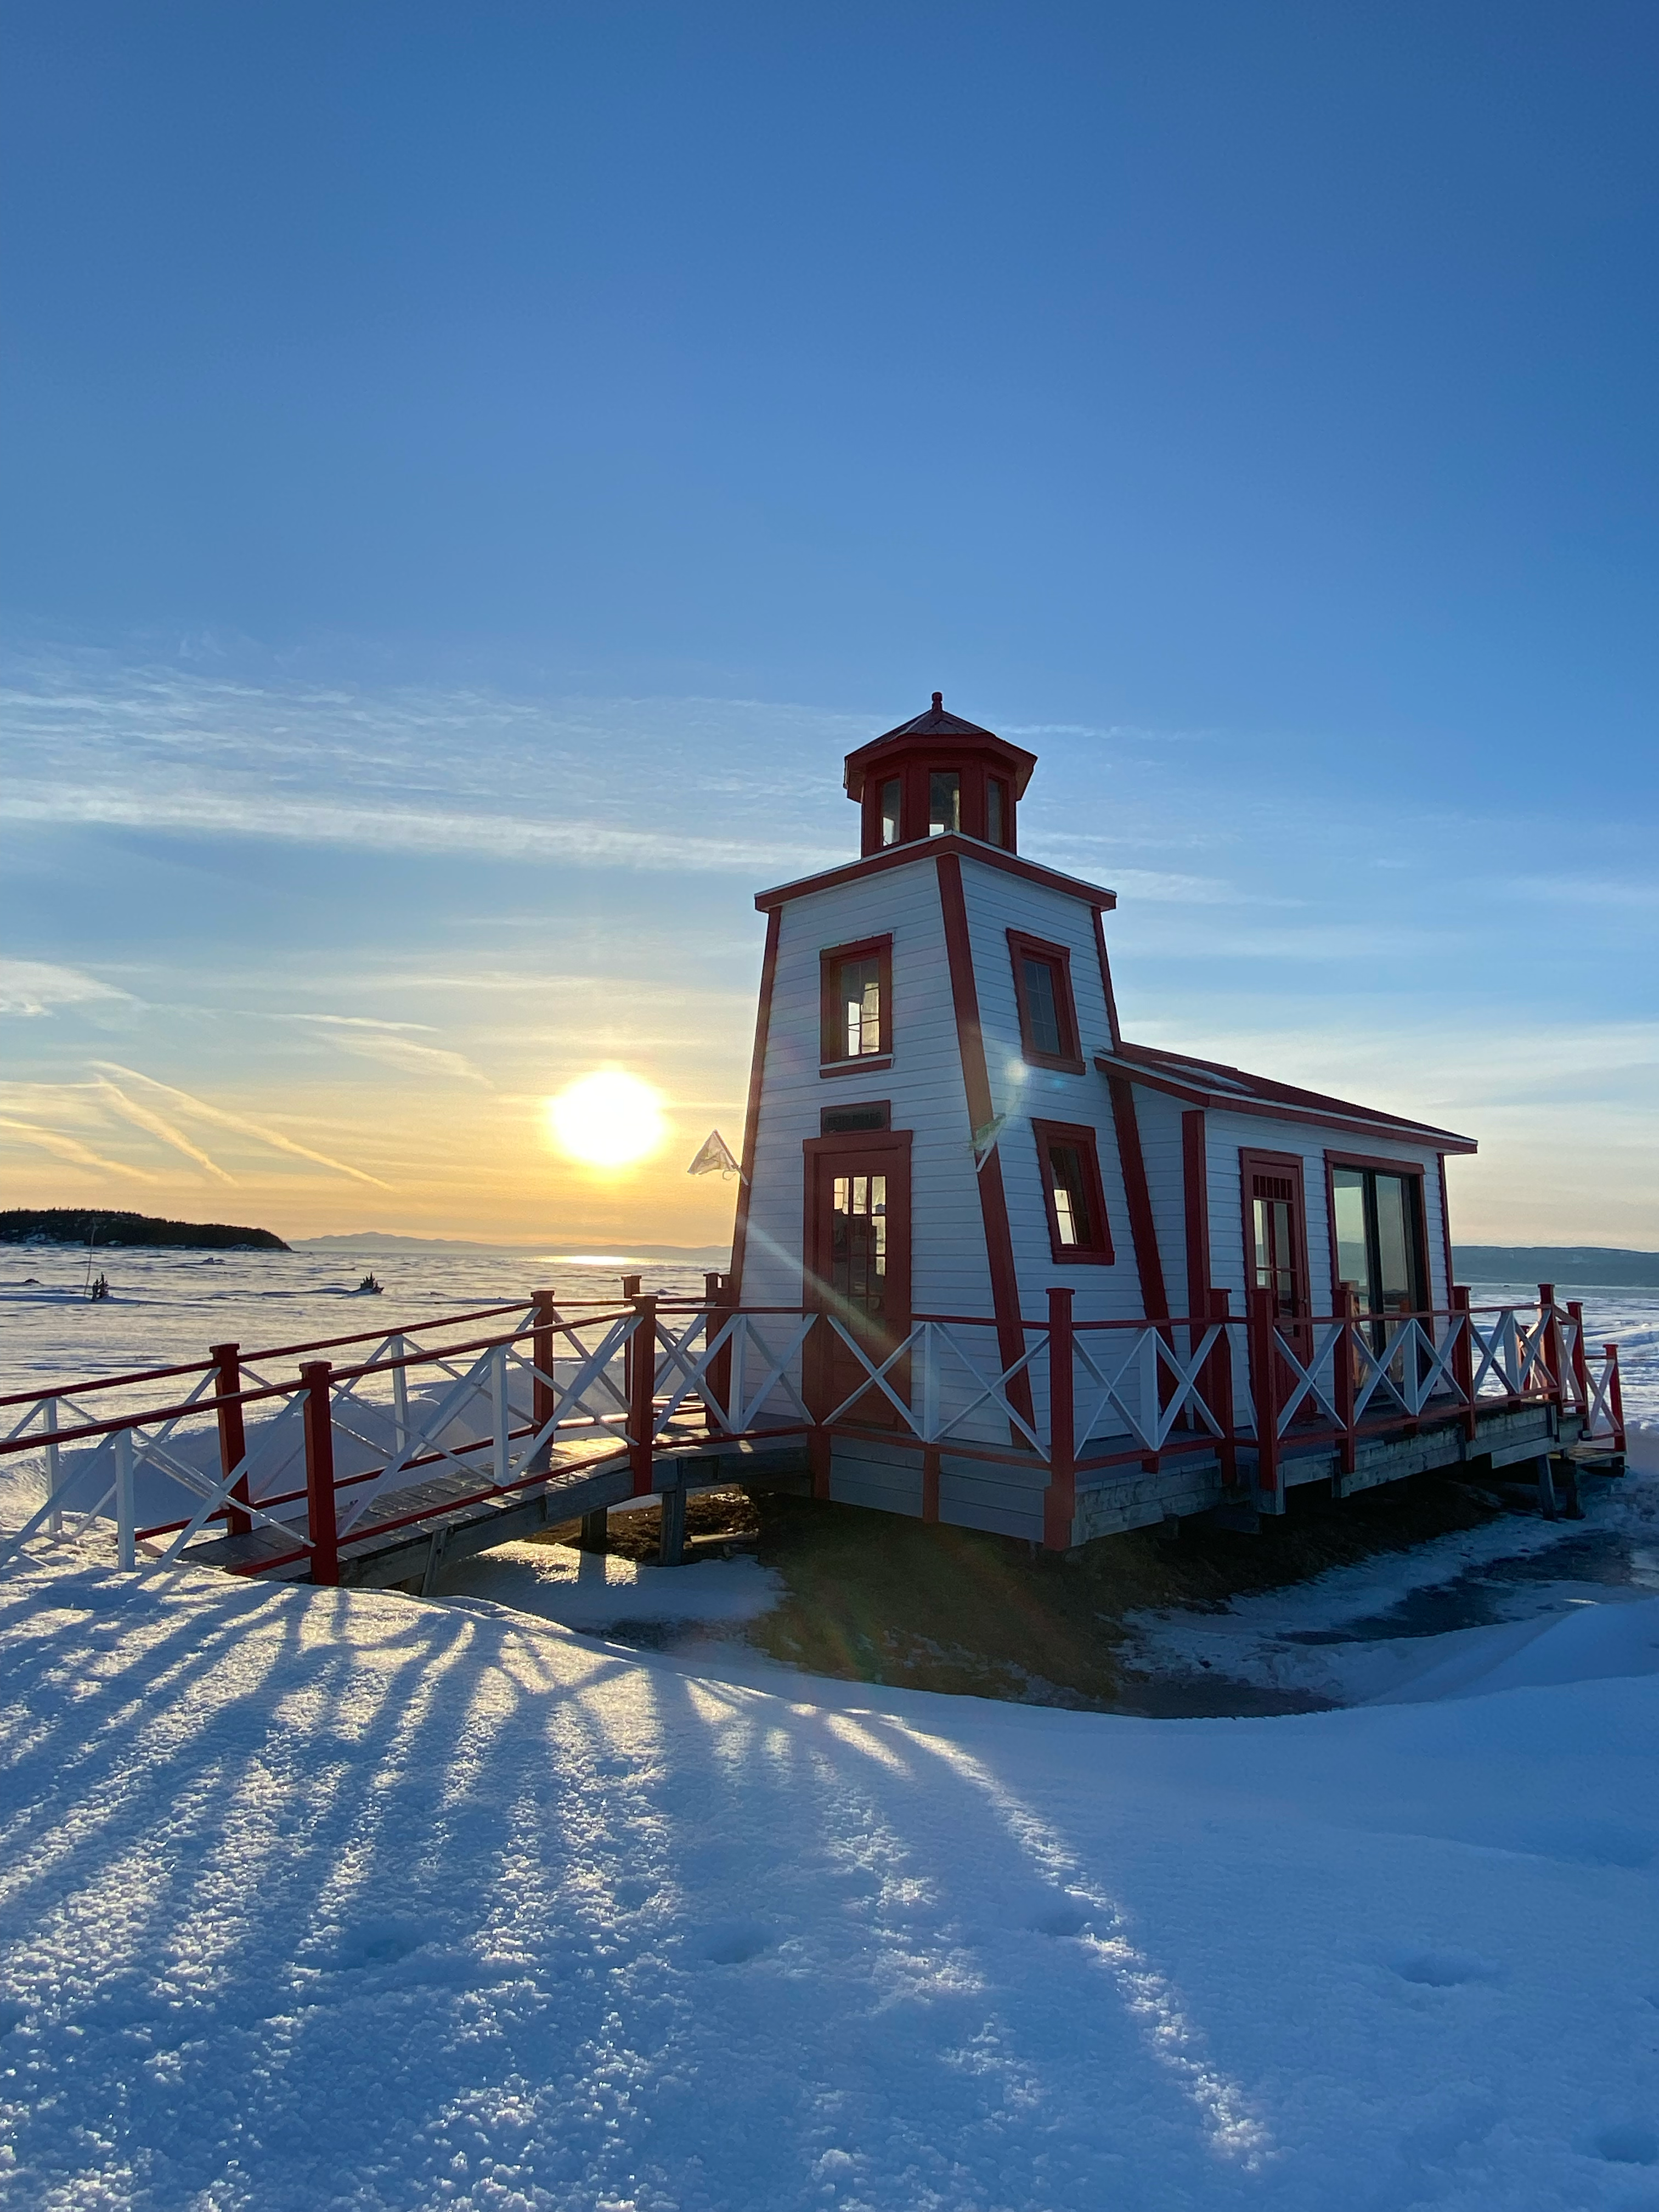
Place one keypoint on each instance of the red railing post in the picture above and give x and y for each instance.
(542, 1397)
(233, 1436)
(1219, 1390)
(1580, 1364)
(322, 1525)
(1346, 1351)
(1549, 1333)
(1264, 1390)
(1059, 1499)
(1616, 1397)
(1463, 1357)
(641, 1378)
(719, 1297)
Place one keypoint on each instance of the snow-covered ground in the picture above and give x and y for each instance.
(313, 1896)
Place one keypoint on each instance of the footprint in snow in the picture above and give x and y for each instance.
(1063, 1916)
(733, 1942)
(1443, 1970)
(1629, 2142)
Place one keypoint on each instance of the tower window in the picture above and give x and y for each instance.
(1070, 1164)
(855, 1002)
(996, 811)
(1048, 1013)
(943, 802)
(889, 811)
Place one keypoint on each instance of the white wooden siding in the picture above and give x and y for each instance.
(998, 902)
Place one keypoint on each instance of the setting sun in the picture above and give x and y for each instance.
(608, 1119)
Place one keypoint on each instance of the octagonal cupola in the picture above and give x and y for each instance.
(936, 775)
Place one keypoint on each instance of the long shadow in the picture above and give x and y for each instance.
(384, 1897)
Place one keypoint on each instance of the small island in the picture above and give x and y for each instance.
(104, 1228)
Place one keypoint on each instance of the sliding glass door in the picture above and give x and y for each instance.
(1377, 1220)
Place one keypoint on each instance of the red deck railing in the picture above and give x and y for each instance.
(625, 1381)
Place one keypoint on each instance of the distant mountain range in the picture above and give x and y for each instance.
(108, 1230)
(1594, 1266)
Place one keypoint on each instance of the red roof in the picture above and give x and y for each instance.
(1212, 1082)
(930, 731)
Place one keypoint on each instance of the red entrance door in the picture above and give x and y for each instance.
(1276, 1242)
(857, 1244)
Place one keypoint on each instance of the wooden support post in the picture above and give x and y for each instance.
(1580, 1364)
(323, 1526)
(930, 1484)
(671, 1544)
(541, 1386)
(1264, 1390)
(641, 1376)
(1218, 1390)
(1059, 1499)
(1463, 1357)
(233, 1436)
(1545, 1487)
(1346, 1353)
(596, 1530)
(125, 1519)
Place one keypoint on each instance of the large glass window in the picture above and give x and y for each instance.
(1379, 1239)
(943, 802)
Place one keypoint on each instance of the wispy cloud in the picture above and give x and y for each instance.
(35, 986)
(391, 1044)
(243, 1126)
(143, 1117)
(70, 1148)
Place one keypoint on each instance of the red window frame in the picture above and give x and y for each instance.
(1021, 948)
(1098, 1252)
(832, 1055)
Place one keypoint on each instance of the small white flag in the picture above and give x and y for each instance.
(715, 1154)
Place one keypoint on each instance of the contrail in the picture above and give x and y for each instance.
(143, 1119)
(245, 1127)
(70, 1149)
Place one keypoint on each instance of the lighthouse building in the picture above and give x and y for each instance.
(945, 1119)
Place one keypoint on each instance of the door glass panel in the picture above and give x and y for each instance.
(1394, 1282)
(1042, 1007)
(943, 802)
(857, 1243)
(1273, 1221)
(1352, 1252)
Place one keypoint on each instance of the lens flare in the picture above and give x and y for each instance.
(608, 1119)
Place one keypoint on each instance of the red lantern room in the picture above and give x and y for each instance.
(935, 775)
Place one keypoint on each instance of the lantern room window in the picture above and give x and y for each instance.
(855, 1005)
(943, 802)
(1069, 1160)
(996, 811)
(892, 793)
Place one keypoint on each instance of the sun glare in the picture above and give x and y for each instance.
(608, 1119)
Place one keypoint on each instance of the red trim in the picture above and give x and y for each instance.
(936, 848)
(1116, 1034)
(1083, 1140)
(977, 1083)
(752, 1116)
(1068, 1060)
(1154, 1299)
(1196, 1192)
(830, 959)
(1381, 1166)
(1275, 1101)
(1300, 1327)
(1445, 1230)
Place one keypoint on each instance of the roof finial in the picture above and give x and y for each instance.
(938, 701)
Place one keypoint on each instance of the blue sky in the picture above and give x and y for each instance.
(472, 472)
